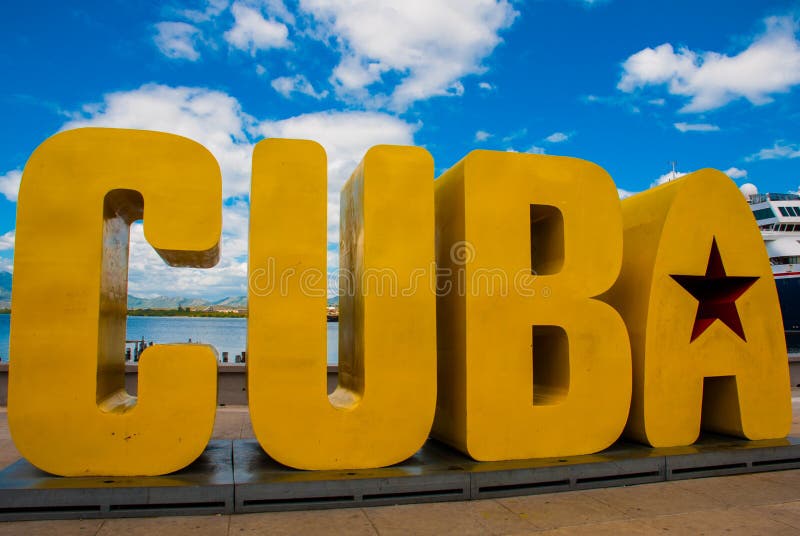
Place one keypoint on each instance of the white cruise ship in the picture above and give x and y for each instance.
(778, 217)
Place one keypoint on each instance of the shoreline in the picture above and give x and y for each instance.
(169, 313)
(185, 313)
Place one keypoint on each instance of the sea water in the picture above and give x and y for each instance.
(5, 321)
(225, 334)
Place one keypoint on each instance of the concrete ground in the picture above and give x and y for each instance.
(764, 503)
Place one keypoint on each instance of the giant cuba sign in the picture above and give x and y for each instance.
(653, 317)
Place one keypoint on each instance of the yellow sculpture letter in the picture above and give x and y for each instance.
(68, 410)
(531, 365)
(382, 411)
(699, 299)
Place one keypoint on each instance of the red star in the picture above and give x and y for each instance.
(716, 295)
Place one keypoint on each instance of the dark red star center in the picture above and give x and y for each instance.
(716, 294)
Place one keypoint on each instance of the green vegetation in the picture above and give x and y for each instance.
(184, 311)
(5, 311)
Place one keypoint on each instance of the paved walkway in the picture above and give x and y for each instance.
(765, 503)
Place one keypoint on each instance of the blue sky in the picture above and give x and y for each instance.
(628, 84)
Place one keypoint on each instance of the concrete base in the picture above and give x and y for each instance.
(623, 464)
(720, 455)
(205, 487)
(237, 477)
(433, 474)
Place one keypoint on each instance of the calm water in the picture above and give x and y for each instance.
(225, 334)
(4, 322)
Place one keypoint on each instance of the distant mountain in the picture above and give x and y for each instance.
(159, 302)
(234, 302)
(135, 302)
(165, 302)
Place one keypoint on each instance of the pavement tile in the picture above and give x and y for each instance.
(82, 527)
(8, 453)
(350, 521)
(628, 527)
(787, 513)
(742, 490)
(654, 499)
(174, 526)
(247, 430)
(789, 478)
(462, 518)
(561, 509)
(748, 521)
(232, 422)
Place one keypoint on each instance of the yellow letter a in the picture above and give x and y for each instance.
(698, 296)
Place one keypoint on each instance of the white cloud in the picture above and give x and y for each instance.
(657, 102)
(212, 9)
(666, 177)
(710, 80)
(780, 150)
(536, 150)
(346, 136)
(733, 173)
(178, 40)
(275, 8)
(7, 240)
(482, 135)
(616, 101)
(625, 193)
(252, 32)
(696, 127)
(736, 173)
(398, 44)
(211, 118)
(9, 184)
(217, 121)
(557, 137)
(286, 85)
(430, 45)
(148, 275)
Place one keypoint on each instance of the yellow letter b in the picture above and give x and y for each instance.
(531, 364)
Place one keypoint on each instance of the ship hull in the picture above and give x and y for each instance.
(789, 296)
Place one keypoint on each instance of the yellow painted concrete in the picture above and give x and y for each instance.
(530, 364)
(69, 413)
(382, 410)
(669, 230)
(532, 360)
(766, 503)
